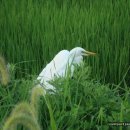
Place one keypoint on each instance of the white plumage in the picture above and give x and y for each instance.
(59, 65)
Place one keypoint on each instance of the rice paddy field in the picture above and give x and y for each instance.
(33, 32)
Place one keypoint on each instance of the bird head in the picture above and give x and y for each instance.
(78, 51)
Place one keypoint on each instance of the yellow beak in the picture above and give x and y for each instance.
(88, 53)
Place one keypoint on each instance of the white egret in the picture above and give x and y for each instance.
(60, 63)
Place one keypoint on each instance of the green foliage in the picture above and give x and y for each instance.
(22, 114)
(35, 31)
(26, 114)
(80, 103)
(88, 104)
(16, 91)
(37, 91)
(32, 32)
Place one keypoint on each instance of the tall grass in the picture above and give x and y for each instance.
(80, 103)
(35, 31)
(4, 74)
(22, 114)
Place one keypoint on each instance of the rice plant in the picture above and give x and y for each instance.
(35, 31)
(31, 34)
(80, 103)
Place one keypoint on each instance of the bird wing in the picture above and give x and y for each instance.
(56, 67)
(60, 61)
(41, 75)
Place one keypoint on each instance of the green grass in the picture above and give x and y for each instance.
(35, 31)
(83, 103)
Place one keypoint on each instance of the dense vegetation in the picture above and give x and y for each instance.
(35, 31)
(32, 32)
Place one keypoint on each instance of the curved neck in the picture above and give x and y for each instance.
(71, 58)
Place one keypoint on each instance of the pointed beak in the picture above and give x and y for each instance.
(88, 53)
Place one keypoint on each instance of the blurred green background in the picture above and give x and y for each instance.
(33, 32)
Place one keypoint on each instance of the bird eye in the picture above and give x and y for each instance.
(82, 51)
